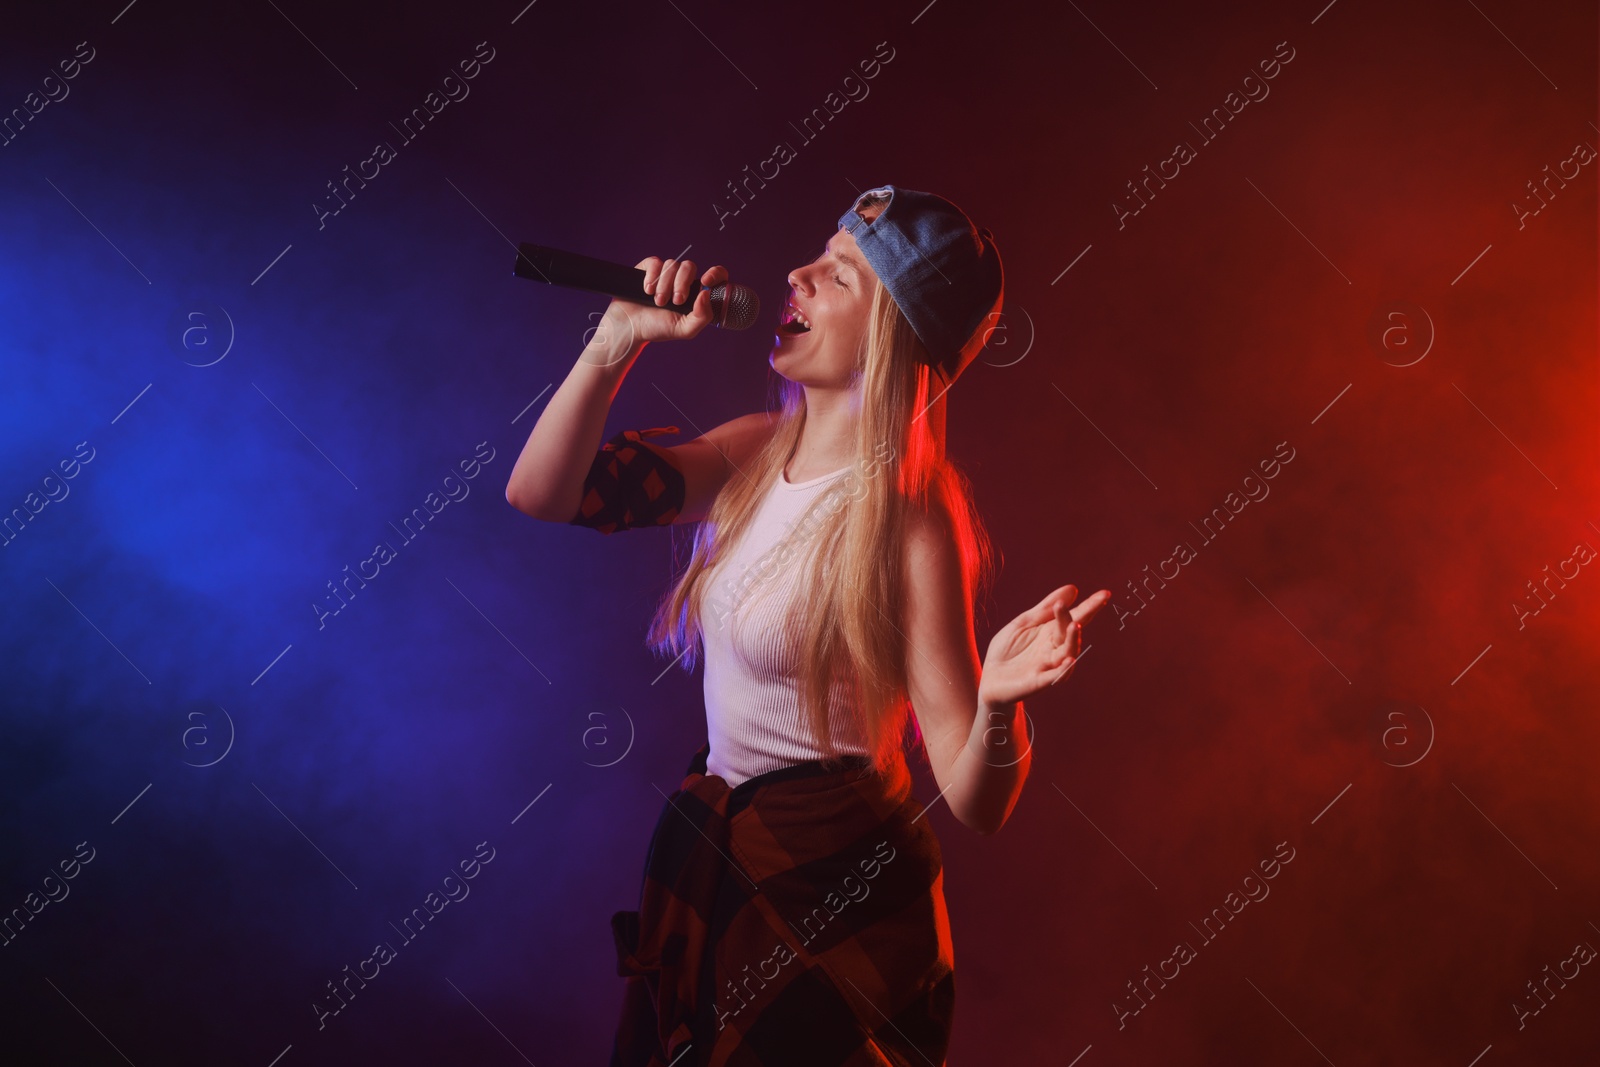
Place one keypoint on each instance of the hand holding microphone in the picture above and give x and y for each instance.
(657, 300)
(668, 285)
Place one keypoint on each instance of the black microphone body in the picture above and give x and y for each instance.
(733, 307)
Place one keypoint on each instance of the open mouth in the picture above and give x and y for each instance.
(793, 321)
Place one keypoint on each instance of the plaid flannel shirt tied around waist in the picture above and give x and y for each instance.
(798, 918)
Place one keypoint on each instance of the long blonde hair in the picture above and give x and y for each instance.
(853, 611)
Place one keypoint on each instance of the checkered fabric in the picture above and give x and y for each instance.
(798, 918)
(631, 484)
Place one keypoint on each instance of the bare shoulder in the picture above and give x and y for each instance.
(708, 460)
(930, 534)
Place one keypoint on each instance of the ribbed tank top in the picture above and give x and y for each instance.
(753, 718)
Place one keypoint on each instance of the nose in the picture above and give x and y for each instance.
(800, 278)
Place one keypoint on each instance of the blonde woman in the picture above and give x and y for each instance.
(792, 907)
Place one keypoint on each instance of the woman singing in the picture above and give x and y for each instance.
(792, 906)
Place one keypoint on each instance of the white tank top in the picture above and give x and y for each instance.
(753, 718)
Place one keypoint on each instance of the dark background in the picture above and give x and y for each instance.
(1341, 671)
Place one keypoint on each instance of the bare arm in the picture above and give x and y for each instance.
(722, 453)
(942, 680)
(974, 726)
(547, 480)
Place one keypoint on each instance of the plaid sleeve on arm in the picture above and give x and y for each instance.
(631, 484)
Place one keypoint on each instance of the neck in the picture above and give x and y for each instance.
(828, 438)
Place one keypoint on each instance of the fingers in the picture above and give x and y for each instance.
(1063, 622)
(680, 284)
(698, 317)
(653, 273)
(1070, 644)
(1056, 603)
(660, 278)
(668, 280)
(1090, 607)
(1045, 609)
(664, 285)
(1069, 660)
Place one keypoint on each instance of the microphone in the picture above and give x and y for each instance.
(733, 307)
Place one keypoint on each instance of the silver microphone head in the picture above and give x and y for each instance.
(734, 306)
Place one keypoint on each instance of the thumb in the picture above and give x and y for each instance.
(699, 315)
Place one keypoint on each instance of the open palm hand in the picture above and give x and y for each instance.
(1037, 648)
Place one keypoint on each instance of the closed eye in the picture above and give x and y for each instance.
(837, 277)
